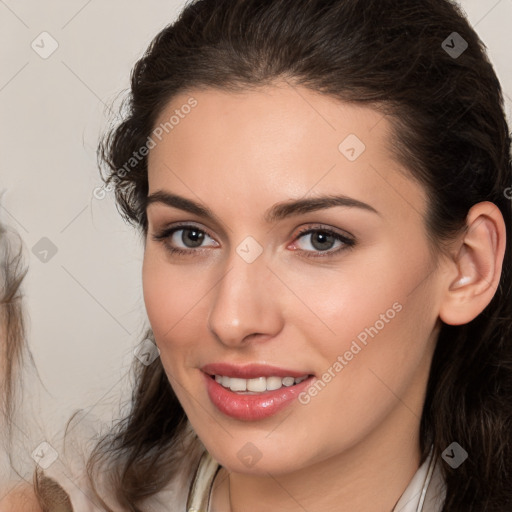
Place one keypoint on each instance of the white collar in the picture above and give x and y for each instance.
(425, 492)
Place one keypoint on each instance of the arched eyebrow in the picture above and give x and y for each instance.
(300, 206)
(277, 212)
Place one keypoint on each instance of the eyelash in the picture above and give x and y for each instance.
(348, 243)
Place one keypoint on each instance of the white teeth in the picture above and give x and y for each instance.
(237, 384)
(274, 383)
(258, 384)
(288, 381)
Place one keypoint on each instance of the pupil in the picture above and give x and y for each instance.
(192, 237)
(322, 240)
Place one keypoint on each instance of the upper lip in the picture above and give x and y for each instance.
(250, 371)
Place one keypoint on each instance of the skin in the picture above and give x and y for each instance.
(20, 498)
(356, 444)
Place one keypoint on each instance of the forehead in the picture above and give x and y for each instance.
(278, 141)
(281, 113)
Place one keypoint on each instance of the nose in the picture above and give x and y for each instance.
(245, 303)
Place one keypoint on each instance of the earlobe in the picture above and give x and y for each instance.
(478, 265)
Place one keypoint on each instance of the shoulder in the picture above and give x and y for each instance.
(20, 498)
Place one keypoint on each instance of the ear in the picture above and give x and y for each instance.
(476, 268)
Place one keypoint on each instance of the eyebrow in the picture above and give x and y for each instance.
(277, 212)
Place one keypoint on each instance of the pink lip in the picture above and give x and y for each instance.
(253, 407)
(251, 371)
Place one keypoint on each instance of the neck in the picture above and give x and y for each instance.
(368, 477)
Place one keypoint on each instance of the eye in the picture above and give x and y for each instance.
(322, 242)
(184, 239)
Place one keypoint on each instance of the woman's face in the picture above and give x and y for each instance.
(270, 273)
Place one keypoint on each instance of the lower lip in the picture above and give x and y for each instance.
(252, 407)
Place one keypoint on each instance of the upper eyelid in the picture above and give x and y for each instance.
(182, 225)
(218, 225)
(321, 227)
(301, 232)
(316, 226)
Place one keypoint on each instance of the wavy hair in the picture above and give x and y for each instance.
(449, 131)
(13, 354)
(13, 349)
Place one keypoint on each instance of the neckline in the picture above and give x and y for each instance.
(202, 484)
(200, 491)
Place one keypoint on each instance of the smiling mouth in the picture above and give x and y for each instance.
(260, 396)
(257, 385)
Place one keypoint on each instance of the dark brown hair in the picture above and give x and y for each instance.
(449, 131)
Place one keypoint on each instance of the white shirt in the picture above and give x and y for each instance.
(425, 492)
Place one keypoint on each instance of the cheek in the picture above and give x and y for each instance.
(376, 311)
(171, 293)
(349, 296)
(173, 299)
(380, 322)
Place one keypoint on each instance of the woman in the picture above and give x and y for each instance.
(321, 187)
